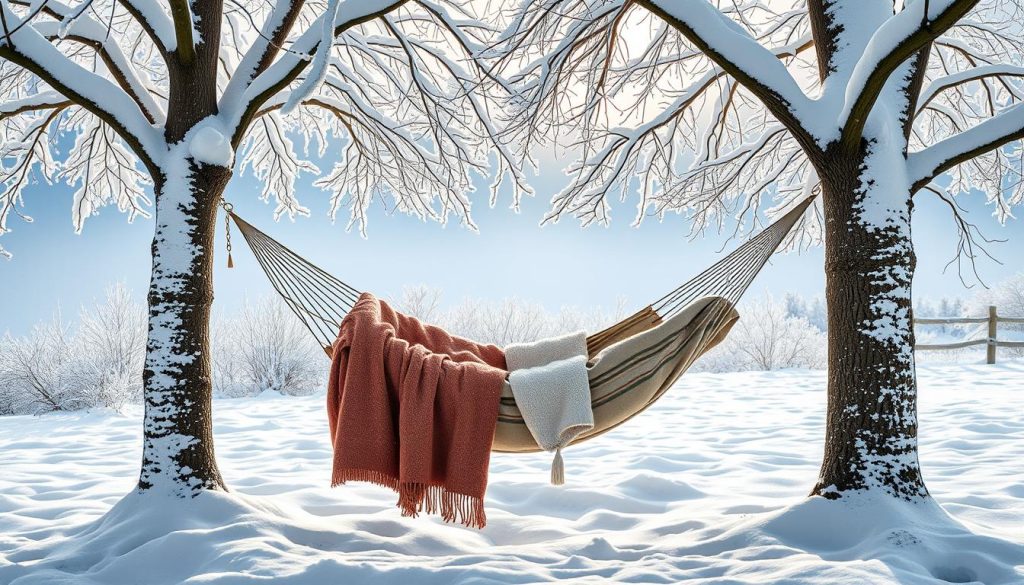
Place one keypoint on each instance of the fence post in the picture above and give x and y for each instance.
(993, 321)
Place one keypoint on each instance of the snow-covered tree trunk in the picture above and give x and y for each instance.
(178, 433)
(178, 455)
(871, 430)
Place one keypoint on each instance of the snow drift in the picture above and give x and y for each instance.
(707, 487)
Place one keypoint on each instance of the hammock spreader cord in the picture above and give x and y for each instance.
(321, 301)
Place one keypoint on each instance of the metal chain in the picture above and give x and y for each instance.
(227, 229)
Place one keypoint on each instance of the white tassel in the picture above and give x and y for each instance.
(557, 468)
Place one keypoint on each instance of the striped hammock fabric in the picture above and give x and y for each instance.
(631, 365)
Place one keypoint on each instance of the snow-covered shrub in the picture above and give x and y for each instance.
(463, 319)
(1007, 296)
(590, 320)
(509, 320)
(767, 337)
(265, 348)
(770, 335)
(226, 370)
(812, 310)
(39, 372)
(112, 338)
(420, 301)
(60, 367)
(9, 397)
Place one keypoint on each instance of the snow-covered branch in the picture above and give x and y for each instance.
(154, 20)
(94, 35)
(75, 25)
(899, 37)
(641, 101)
(26, 46)
(23, 147)
(609, 167)
(44, 100)
(403, 91)
(103, 171)
(291, 63)
(966, 76)
(272, 158)
(759, 69)
(991, 134)
(263, 49)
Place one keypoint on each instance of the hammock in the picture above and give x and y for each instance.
(632, 363)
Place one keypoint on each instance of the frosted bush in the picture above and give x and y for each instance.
(420, 301)
(770, 335)
(38, 372)
(112, 336)
(509, 320)
(58, 367)
(1008, 298)
(265, 348)
(767, 337)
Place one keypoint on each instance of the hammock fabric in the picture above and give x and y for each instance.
(633, 371)
(632, 363)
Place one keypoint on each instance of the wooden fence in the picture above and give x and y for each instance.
(991, 342)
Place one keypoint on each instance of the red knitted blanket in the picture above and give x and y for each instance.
(414, 409)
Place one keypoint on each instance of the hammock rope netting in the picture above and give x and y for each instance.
(624, 383)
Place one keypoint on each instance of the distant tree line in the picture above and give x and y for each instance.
(97, 361)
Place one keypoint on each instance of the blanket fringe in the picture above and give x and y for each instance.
(414, 498)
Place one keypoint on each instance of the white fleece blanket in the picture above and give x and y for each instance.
(549, 382)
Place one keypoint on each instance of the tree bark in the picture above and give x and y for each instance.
(178, 454)
(871, 427)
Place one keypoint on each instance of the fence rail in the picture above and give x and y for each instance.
(991, 342)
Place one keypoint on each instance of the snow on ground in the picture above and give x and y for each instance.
(708, 486)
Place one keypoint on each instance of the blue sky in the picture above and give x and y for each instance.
(554, 265)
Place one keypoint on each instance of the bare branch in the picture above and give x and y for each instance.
(733, 49)
(181, 14)
(645, 104)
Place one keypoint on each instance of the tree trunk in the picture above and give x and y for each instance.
(178, 454)
(871, 432)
